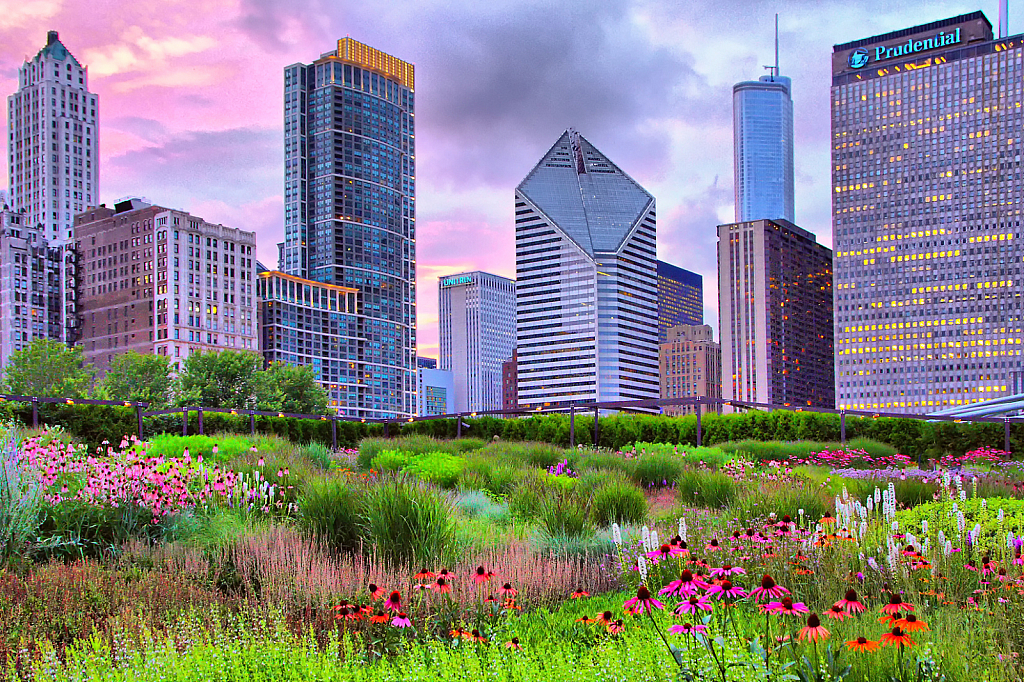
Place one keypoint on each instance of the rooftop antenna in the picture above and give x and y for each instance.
(1004, 18)
(774, 70)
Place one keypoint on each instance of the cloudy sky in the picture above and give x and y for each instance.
(191, 103)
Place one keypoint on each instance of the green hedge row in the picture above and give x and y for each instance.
(96, 423)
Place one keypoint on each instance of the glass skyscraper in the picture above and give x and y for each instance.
(763, 149)
(586, 281)
(680, 298)
(928, 191)
(350, 173)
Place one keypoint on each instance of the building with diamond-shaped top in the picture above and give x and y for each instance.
(586, 281)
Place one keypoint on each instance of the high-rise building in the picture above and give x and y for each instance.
(510, 384)
(586, 280)
(158, 280)
(350, 176)
(311, 323)
(54, 141)
(691, 366)
(926, 133)
(31, 302)
(775, 314)
(425, 362)
(763, 148)
(680, 298)
(435, 393)
(477, 329)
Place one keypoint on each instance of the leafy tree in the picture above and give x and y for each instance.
(296, 389)
(226, 378)
(136, 377)
(48, 368)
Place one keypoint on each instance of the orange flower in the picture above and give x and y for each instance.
(579, 594)
(605, 618)
(862, 645)
(813, 630)
(911, 623)
(897, 637)
(616, 627)
(513, 644)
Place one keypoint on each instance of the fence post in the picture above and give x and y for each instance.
(200, 412)
(700, 434)
(35, 413)
(184, 421)
(334, 433)
(1006, 434)
(252, 422)
(842, 428)
(138, 415)
(458, 425)
(597, 433)
(572, 425)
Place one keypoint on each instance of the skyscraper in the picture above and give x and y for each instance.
(775, 314)
(586, 280)
(763, 148)
(477, 325)
(926, 132)
(350, 214)
(691, 366)
(680, 298)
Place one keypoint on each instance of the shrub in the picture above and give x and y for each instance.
(407, 521)
(439, 468)
(391, 460)
(703, 487)
(655, 470)
(786, 450)
(228, 447)
(617, 500)
(330, 512)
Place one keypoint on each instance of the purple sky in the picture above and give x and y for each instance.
(191, 103)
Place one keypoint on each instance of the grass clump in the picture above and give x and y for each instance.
(439, 468)
(409, 522)
(330, 511)
(702, 487)
(617, 500)
(657, 469)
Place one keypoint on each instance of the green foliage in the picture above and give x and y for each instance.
(21, 497)
(77, 529)
(295, 389)
(414, 445)
(318, 453)
(217, 530)
(47, 368)
(657, 469)
(976, 511)
(138, 378)
(563, 514)
(228, 447)
(476, 504)
(617, 500)
(391, 461)
(439, 468)
(702, 487)
(226, 378)
(407, 521)
(330, 510)
(761, 451)
(782, 497)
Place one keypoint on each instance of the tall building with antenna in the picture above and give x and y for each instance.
(763, 145)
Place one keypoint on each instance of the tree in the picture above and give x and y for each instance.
(296, 389)
(226, 378)
(48, 368)
(139, 378)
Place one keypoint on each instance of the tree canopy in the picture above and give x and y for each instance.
(137, 377)
(48, 368)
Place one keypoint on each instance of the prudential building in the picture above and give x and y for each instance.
(927, 133)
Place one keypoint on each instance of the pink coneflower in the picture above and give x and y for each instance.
(481, 575)
(1018, 559)
(726, 589)
(786, 607)
(687, 584)
(896, 604)
(666, 551)
(768, 589)
(446, 574)
(813, 630)
(441, 586)
(394, 602)
(727, 570)
(579, 594)
(616, 627)
(688, 629)
(424, 575)
(970, 565)
(713, 546)
(837, 612)
(851, 603)
(514, 644)
(401, 620)
(508, 591)
(642, 601)
(692, 605)
(375, 592)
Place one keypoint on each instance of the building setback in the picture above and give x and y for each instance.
(926, 208)
(158, 280)
(775, 314)
(350, 214)
(477, 325)
(32, 304)
(680, 298)
(691, 366)
(763, 148)
(510, 384)
(435, 392)
(311, 323)
(586, 280)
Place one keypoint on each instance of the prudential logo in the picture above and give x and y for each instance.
(859, 58)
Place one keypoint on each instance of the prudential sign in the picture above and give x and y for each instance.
(861, 57)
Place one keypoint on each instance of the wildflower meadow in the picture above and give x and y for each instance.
(255, 558)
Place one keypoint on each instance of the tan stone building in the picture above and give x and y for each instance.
(691, 365)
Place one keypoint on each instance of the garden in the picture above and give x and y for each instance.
(426, 557)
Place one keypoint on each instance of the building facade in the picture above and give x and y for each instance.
(311, 323)
(691, 366)
(586, 281)
(926, 207)
(763, 149)
(477, 330)
(435, 392)
(158, 280)
(775, 314)
(350, 214)
(32, 301)
(510, 384)
(680, 298)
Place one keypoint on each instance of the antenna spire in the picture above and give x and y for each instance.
(773, 71)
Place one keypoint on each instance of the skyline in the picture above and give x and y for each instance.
(193, 105)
